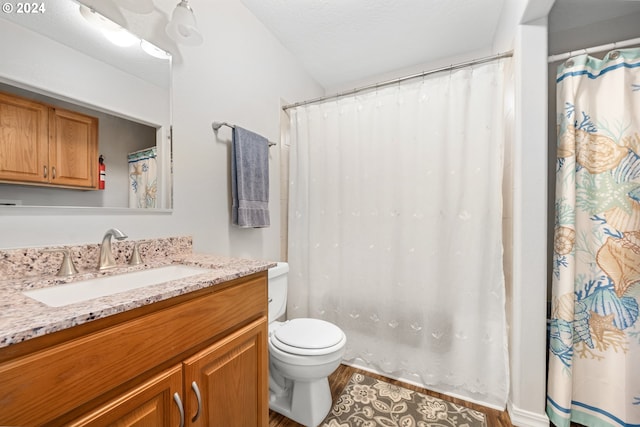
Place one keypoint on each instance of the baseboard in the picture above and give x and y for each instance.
(522, 418)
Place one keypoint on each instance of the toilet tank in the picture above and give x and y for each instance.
(278, 290)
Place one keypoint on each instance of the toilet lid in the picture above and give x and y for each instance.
(309, 334)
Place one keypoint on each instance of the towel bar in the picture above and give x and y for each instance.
(217, 125)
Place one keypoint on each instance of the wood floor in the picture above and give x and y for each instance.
(339, 379)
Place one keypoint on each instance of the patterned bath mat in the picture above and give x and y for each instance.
(367, 402)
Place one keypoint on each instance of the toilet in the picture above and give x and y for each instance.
(302, 354)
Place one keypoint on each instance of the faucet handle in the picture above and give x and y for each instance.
(67, 268)
(135, 258)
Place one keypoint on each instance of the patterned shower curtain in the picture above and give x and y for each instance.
(594, 356)
(143, 178)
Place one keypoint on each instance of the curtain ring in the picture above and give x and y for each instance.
(615, 53)
(569, 63)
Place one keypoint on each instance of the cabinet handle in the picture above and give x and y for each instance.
(45, 171)
(53, 172)
(176, 398)
(196, 390)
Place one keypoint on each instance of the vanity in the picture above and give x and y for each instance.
(185, 352)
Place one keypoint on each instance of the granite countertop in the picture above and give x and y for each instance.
(23, 318)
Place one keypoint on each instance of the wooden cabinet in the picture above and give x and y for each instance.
(24, 140)
(73, 149)
(127, 369)
(45, 145)
(223, 386)
(151, 404)
(224, 383)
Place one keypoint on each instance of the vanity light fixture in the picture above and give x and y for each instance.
(182, 28)
(98, 20)
(121, 37)
(114, 31)
(153, 50)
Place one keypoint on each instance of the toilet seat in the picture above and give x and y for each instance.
(308, 337)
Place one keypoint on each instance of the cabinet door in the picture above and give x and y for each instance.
(150, 404)
(23, 140)
(73, 153)
(232, 378)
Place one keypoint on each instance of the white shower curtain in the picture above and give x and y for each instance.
(395, 223)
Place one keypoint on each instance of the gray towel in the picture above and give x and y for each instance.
(249, 179)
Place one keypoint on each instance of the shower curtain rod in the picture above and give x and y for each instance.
(400, 79)
(595, 49)
(142, 150)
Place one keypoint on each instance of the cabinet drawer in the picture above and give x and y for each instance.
(46, 384)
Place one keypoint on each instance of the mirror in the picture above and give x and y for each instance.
(59, 58)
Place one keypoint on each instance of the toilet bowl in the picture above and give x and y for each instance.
(302, 354)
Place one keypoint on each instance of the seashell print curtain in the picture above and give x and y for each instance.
(395, 228)
(594, 353)
(143, 178)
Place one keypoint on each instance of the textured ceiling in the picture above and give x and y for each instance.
(343, 41)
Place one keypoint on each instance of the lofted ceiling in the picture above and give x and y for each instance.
(343, 41)
(340, 42)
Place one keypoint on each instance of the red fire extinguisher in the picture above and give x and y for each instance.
(102, 171)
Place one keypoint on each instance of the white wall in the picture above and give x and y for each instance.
(524, 29)
(527, 302)
(238, 75)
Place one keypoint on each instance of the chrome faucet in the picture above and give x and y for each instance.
(106, 256)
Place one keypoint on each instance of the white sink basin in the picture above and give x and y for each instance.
(70, 293)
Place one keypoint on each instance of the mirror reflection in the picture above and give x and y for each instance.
(61, 60)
